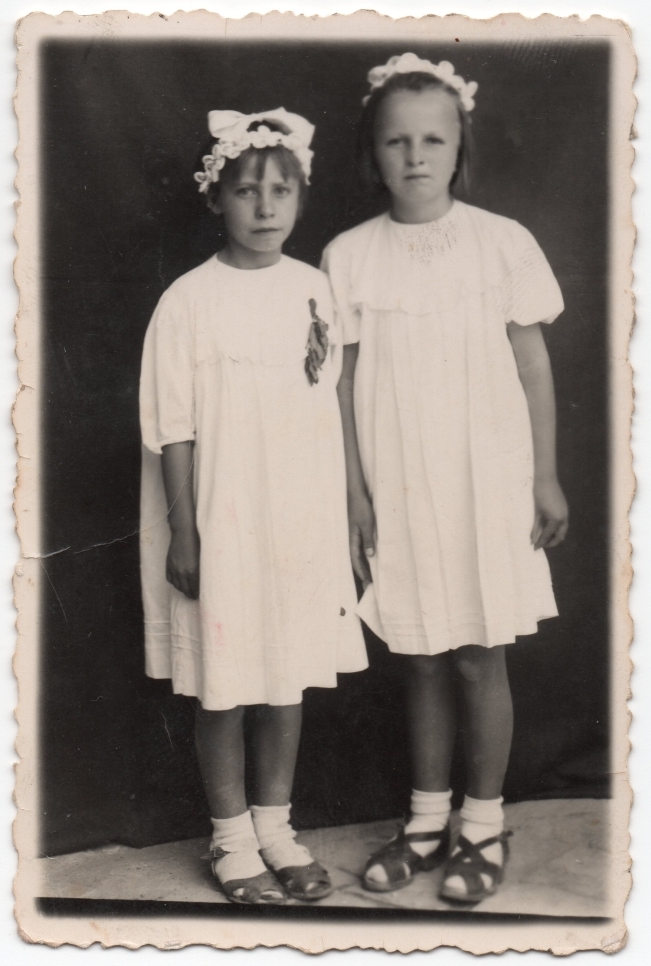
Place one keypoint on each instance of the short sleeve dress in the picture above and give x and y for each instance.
(224, 365)
(443, 424)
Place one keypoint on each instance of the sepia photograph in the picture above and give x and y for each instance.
(322, 602)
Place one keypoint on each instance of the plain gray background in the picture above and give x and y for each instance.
(636, 13)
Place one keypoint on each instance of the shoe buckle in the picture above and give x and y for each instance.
(215, 854)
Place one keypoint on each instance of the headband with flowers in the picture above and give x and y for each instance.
(410, 64)
(232, 134)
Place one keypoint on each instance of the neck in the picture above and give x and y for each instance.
(418, 215)
(239, 257)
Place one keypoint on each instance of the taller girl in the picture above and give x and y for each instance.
(449, 422)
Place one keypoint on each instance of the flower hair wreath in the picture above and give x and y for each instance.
(231, 130)
(411, 64)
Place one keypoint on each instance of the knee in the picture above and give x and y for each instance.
(470, 669)
(233, 716)
(425, 666)
(475, 663)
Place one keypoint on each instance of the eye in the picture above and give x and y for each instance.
(245, 191)
(393, 141)
(433, 139)
(282, 190)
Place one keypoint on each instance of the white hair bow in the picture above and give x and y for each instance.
(231, 125)
(411, 64)
(232, 134)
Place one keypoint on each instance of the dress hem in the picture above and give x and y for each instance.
(402, 647)
(190, 692)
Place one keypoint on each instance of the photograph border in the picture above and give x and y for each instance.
(36, 921)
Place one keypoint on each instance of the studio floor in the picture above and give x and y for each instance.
(558, 866)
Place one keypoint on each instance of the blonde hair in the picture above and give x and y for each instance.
(415, 81)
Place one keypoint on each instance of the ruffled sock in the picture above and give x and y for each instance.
(430, 812)
(277, 838)
(237, 837)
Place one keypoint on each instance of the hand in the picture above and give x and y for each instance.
(183, 561)
(551, 521)
(361, 528)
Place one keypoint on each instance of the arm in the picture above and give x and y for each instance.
(361, 520)
(183, 555)
(532, 360)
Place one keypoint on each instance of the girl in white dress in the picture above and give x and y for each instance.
(248, 593)
(449, 426)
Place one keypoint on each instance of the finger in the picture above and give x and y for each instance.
(354, 556)
(361, 568)
(368, 540)
(181, 584)
(358, 558)
(547, 533)
(193, 586)
(188, 583)
(536, 530)
(560, 534)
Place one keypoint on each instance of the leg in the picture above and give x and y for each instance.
(275, 746)
(488, 724)
(424, 843)
(431, 710)
(475, 867)
(219, 740)
(236, 862)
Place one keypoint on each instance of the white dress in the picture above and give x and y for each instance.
(443, 424)
(224, 365)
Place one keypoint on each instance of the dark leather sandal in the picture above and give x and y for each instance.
(256, 890)
(401, 863)
(305, 882)
(469, 864)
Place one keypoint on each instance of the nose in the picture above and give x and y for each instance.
(266, 207)
(414, 154)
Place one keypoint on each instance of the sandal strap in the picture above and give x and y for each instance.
(420, 836)
(254, 889)
(216, 854)
(314, 869)
(398, 853)
(468, 847)
(297, 879)
(470, 863)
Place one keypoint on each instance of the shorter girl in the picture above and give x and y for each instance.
(243, 444)
(448, 408)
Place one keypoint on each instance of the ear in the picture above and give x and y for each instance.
(214, 205)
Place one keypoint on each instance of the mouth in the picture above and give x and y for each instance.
(265, 231)
(417, 177)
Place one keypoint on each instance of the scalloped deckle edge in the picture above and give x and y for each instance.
(312, 933)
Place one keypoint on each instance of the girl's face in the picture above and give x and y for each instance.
(259, 215)
(417, 138)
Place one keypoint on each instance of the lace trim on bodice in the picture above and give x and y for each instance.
(430, 240)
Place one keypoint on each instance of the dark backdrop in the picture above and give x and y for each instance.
(122, 124)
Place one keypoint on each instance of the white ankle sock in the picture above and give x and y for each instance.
(430, 812)
(480, 819)
(276, 837)
(237, 837)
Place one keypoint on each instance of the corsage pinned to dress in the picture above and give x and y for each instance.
(317, 345)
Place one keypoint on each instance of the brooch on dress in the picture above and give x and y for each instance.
(317, 345)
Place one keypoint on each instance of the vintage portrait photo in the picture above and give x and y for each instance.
(323, 483)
